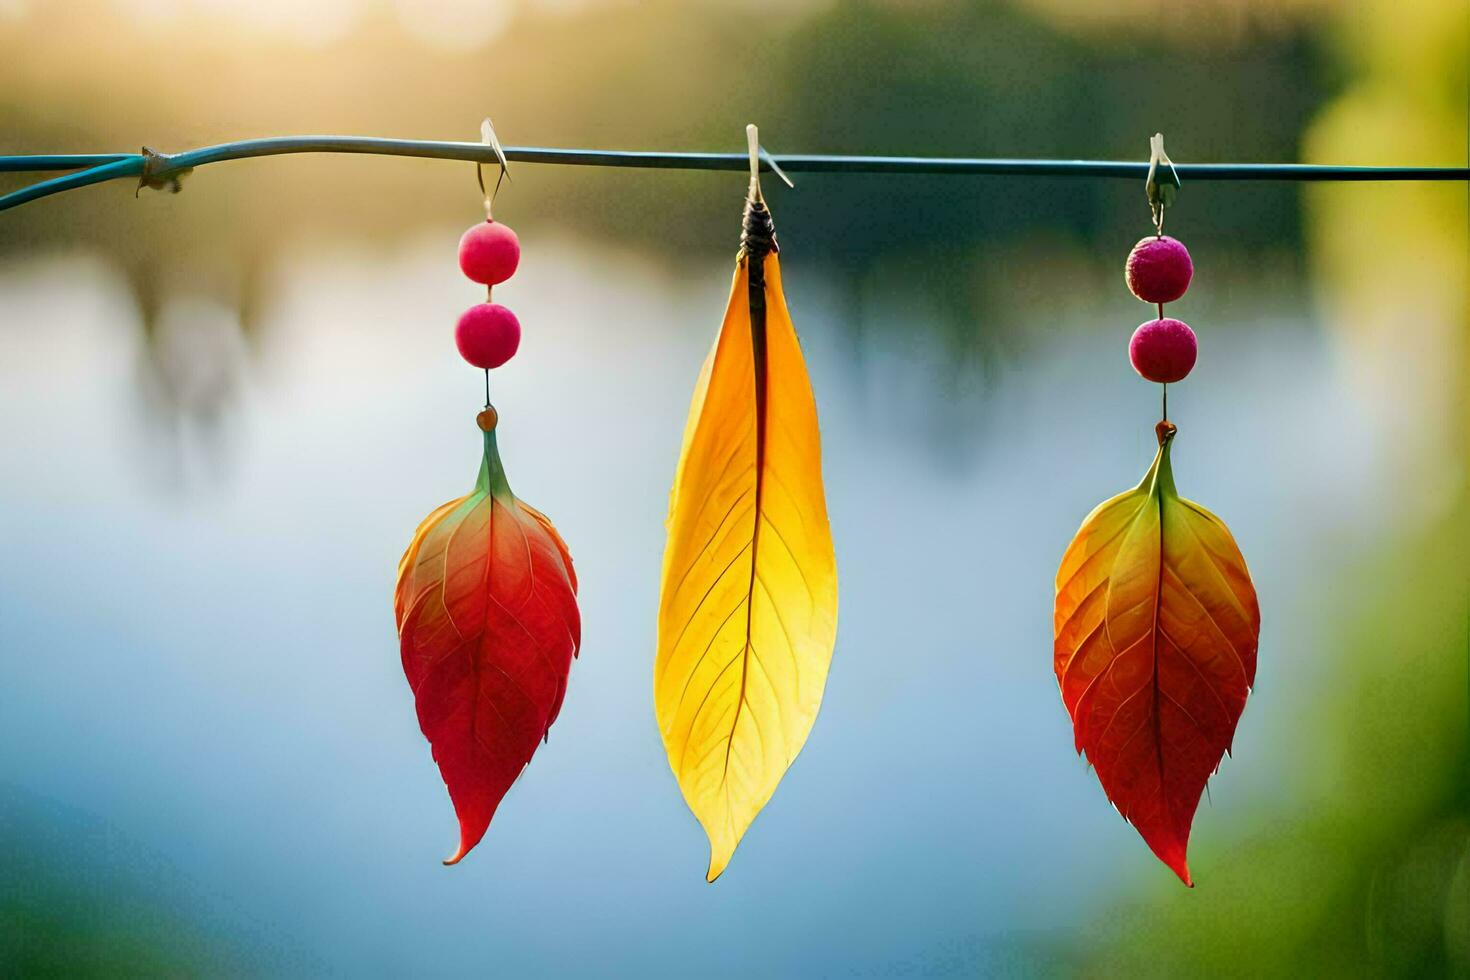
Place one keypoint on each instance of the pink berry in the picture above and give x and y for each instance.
(1163, 350)
(489, 253)
(1159, 269)
(487, 335)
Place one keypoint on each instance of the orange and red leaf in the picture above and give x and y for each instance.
(1156, 628)
(488, 626)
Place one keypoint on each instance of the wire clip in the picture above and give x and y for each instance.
(158, 175)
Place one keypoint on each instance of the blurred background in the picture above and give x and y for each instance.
(226, 410)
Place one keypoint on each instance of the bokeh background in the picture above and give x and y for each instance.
(225, 411)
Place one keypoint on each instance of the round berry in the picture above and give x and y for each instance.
(489, 252)
(1163, 350)
(1159, 269)
(487, 335)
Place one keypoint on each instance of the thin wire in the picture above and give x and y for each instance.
(59, 161)
(96, 168)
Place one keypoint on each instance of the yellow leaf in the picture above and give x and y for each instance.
(748, 613)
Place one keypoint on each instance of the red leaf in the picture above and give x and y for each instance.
(488, 626)
(1156, 628)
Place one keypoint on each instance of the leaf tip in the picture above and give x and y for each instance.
(717, 865)
(1172, 852)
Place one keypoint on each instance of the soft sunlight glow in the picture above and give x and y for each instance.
(317, 22)
(461, 24)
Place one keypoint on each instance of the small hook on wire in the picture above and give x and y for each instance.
(487, 135)
(1163, 181)
(758, 155)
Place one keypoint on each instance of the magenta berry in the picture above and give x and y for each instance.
(1163, 350)
(487, 335)
(1159, 269)
(489, 253)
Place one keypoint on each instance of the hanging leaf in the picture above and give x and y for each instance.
(748, 613)
(1156, 629)
(488, 625)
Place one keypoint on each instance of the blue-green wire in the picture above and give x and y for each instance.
(95, 168)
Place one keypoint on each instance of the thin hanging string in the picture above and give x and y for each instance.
(489, 196)
(487, 135)
(1156, 206)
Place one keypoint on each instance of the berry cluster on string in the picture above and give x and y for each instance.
(1158, 271)
(488, 334)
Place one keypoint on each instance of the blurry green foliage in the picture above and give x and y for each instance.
(71, 904)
